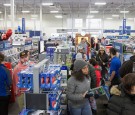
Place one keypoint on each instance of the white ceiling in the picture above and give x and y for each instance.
(75, 7)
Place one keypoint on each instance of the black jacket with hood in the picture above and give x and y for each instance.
(120, 103)
(127, 67)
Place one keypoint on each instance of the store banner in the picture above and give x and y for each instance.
(124, 26)
(119, 47)
(23, 25)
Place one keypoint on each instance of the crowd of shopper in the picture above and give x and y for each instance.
(88, 74)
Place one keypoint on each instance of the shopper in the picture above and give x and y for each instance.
(97, 71)
(28, 54)
(102, 59)
(114, 68)
(123, 100)
(5, 85)
(77, 87)
(127, 66)
(83, 44)
(22, 65)
(92, 74)
(88, 50)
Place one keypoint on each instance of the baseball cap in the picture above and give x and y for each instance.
(23, 54)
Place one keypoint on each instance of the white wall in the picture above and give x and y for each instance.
(50, 24)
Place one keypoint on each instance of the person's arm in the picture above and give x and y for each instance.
(112, 76)
(71, 88)
(92, 75)
(113, 69)
(9, 77)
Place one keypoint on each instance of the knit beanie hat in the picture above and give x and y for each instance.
(79, 56)
(79, 64)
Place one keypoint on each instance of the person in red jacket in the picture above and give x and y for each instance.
(97, 71)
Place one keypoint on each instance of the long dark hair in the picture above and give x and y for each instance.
(100, 53)
(93, 62)
(79, 75)
(128, 82)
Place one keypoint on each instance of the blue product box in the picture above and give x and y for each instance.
(53, 79)
(45, 80)
(30, 80)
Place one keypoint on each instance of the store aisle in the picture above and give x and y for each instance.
(13, 108)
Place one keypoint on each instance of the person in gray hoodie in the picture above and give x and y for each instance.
(77, 88)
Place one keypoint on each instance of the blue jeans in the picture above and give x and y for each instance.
(84, 110)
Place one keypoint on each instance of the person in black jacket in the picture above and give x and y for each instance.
(122, 101)
(127, 67)
(102, 59)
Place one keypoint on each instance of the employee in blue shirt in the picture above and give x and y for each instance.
(5, 85)
(114, 68)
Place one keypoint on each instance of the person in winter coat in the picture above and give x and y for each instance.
(122, 101)
(5, 86)
(92, 73)
(83, 44)
(127, 67)
(97, 71)
(77, 87)
(102, 59)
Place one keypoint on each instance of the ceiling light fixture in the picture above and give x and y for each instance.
(130, 18)
(58, 16)
(100, 3)
(124, 11)
(34, 16)
(94, 12)
(115, 15)
(47, 4)
(26, 11)
(0, 12)
(7, 4)
(90, 16)
(109, 18)
(54, 11)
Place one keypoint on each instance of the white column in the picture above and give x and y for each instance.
(12, 16)
(5, 24)
(41, 19)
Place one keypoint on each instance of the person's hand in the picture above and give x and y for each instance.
(91, 99)
(108, 83)
(85, 94)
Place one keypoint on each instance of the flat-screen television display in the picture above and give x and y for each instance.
(41, 46)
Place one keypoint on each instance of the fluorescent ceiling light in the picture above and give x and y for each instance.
(58, 16)
(90, 16)
(47, 4)
(7, 4)
(34, 16)
(1, 19)
(115, 15)
(124, 11)
(94, 12)
(130, 18)
(100, 3)
(26, 11)
(0, 12)
(54, 11)
(109, 18)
